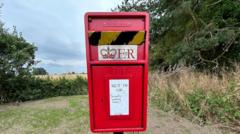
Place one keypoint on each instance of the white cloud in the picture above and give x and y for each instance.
(71, 62)
(56, 27)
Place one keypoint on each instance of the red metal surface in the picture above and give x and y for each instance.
(100, 77)
(99, 73)
(116, 24)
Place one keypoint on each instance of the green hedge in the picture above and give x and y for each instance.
(32, 88)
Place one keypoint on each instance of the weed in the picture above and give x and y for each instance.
(200, 97)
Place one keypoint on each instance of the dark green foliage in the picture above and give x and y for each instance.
(65, 86)
(31, 88)
(16, 59)
(39, 71)
(196, 101)
(16, 54)
(204, 34)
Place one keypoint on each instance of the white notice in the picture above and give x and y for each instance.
(119, 97)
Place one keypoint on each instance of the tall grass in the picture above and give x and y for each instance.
(201, 97)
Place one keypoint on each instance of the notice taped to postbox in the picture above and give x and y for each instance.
(119, 97)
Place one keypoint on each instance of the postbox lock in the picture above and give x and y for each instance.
(89, 19)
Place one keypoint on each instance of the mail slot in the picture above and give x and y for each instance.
(117, 65)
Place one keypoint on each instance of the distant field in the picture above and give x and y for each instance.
(58, 76)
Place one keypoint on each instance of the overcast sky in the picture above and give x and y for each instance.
(56, 27)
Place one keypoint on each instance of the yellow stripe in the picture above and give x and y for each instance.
(138, 38)
(108, 37)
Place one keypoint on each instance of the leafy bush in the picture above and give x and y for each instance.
(214, 105)
(39, 71)
(31, 88)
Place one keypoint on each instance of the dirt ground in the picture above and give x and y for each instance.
(160, 122)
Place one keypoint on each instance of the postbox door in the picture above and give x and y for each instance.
(118, 93)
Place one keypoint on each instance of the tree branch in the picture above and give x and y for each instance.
(214, 3)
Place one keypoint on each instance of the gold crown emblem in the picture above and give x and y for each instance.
(108, 53)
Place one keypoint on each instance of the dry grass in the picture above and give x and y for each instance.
(59, 76)
(200, 97)
(185, 79)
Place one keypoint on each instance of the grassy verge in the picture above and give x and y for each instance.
(53, 115)
(199, 97)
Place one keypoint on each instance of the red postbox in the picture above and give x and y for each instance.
(117, 65)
